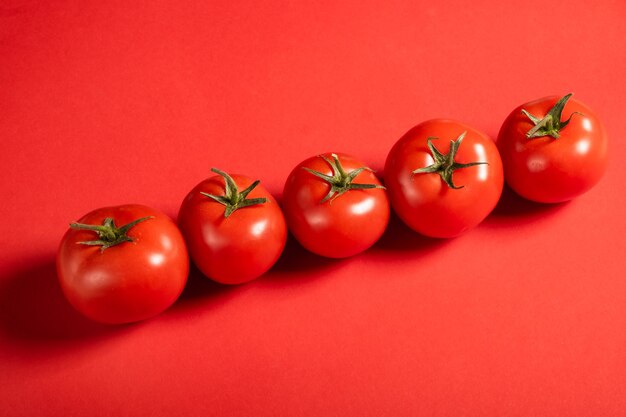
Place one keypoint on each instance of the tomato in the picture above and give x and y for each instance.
(233, 236)
(335, 206)
(443, 177)
(122, 264)
(550, 160)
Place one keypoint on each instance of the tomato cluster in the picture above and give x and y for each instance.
(442, 178)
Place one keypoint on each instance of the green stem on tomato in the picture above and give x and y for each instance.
(234, 199)
(551, 124)
(340, 181)
(445, 165)
(108, 234)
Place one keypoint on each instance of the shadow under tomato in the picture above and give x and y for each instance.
(199, 286)
(297, 265)
(514, 210)
(202, 292)
(33, 308)
(399, 238)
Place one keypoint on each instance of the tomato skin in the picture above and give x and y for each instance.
(128, 282)
(424, 201)
(236, 249)
(550, 170)
(343, 227)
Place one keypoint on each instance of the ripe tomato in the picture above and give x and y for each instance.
(233, 236)
(122, 264)
(443, 177)
(550, 160)
(335, 206)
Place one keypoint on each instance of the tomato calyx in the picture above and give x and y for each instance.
(550, 124)
(445, 165)
(234, 199)
(109, 235)
(341, 181)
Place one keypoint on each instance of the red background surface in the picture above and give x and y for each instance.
(114, 102)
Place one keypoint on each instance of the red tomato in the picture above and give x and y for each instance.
(563, 158)
(122, 264)
(437, 192)
(233, 236)
(335, 206)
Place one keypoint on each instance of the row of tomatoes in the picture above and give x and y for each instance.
(128, 263)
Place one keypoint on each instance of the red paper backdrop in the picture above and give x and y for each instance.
(111, 102)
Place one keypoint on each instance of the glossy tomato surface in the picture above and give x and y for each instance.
(238, 248)
(424, 201)
(340, 227)
(130, 281)
(550, 170)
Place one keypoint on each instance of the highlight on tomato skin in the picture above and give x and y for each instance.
(443, 177)
(233, 226)
(122, 264)
(554, 149)
(335, 206)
